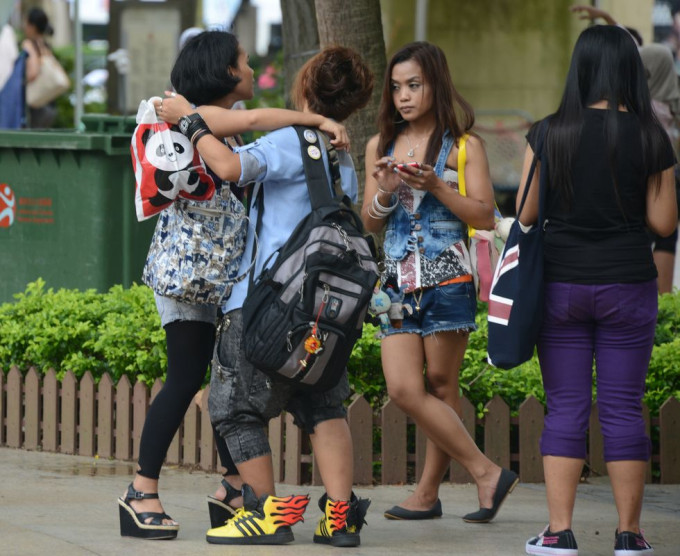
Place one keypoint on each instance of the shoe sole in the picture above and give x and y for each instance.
(543, 550)
(343, 541)
(633, 552)
(277, 538)
(130, 526)
(401, 518)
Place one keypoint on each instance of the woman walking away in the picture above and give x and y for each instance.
(424, 120)
(610, 176)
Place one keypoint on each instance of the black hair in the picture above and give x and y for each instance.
(605, 65)
(38, 18)
(201, 71)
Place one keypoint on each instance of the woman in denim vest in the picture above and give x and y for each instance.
(421, 119)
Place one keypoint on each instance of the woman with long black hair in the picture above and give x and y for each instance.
(610, 177)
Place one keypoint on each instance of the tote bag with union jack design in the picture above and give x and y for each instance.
(516, 297)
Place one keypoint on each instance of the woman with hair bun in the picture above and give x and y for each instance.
(334, 83)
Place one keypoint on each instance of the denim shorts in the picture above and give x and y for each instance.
(242, 399)
(171, 310)
(442, 309)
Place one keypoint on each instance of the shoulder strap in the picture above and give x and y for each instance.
(462, 158)
(318, 186)
(538, 153)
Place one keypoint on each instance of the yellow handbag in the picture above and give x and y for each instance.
(484, 252)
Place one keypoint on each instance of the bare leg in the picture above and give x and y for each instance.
(259, 474)
(444, 354)
(402, 357)
(665, 265)
(562, 476)
(332, 444)
(628, 485)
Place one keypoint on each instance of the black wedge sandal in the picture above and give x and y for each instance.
(220, 510)
(132, 524)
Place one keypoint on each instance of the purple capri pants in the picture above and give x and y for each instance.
(614, 324)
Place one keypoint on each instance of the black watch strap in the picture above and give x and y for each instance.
(185, 122)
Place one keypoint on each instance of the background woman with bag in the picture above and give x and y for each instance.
(665, 92)
(212, 69)
(36, 27)
(422, 118)
(610, 176)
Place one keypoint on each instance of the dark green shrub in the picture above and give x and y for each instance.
(119, 332)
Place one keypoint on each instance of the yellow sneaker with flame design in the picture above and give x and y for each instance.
(264, 521)
(342, 521)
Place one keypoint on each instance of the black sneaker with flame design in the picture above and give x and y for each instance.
(342, 521)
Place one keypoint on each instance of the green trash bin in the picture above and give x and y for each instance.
(67, 210)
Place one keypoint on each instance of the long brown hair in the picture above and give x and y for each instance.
(452, 112)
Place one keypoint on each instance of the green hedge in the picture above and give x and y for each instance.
(119, 332)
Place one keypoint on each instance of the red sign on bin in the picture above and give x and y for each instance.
(7, 206)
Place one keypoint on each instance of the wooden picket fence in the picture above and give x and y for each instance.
(37, 412)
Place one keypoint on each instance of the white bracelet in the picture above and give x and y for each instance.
(380, 209)
(371, 215)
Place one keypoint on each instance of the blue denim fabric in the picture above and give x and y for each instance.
(171, 310)
(442, 309)
(432, 228)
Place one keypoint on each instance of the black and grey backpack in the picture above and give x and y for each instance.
(303, 315)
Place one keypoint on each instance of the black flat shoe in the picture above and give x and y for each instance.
(220, 511)
(132, 524)
(506, 484)
(397, 512)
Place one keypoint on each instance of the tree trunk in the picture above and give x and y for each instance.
(358, 25)
(300, 38)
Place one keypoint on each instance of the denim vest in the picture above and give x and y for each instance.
(432, 228)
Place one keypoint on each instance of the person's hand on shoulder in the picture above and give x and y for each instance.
(338, 133)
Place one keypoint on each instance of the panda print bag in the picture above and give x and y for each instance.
(200, 235)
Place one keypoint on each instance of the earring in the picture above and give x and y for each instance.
(397, 122)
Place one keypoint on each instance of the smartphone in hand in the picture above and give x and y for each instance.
(414, 165)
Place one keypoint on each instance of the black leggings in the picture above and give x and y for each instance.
(190, 347)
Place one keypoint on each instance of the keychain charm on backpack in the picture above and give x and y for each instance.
(313, 344)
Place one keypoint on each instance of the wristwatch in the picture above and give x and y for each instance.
(185, 122)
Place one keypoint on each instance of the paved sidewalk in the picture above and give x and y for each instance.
(66, 505)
